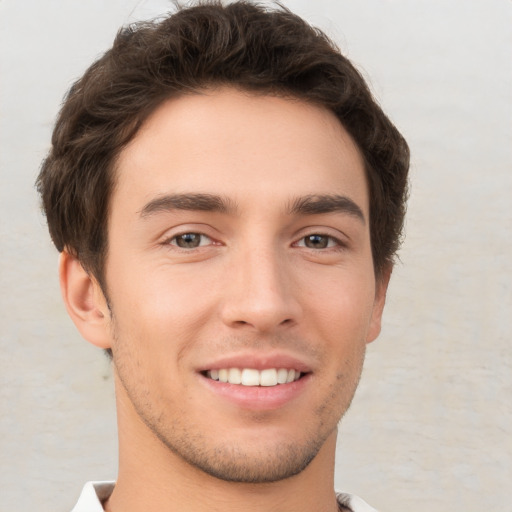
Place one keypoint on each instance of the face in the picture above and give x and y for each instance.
(241, 281)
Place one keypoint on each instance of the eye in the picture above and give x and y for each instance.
(190, 240)
(318, 241)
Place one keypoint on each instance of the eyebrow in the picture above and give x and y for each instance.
(304, 205)
(318, 204)
(192, 202)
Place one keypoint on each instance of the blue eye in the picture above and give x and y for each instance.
(190, 240)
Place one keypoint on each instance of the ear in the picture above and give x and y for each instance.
(381, 288)
(84, 300)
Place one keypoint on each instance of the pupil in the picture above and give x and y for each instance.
(188, 240)
(316, 241)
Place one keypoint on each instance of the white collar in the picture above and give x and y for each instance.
(95, 493)
(92, 496)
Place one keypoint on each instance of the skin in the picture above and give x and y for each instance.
(257, 286)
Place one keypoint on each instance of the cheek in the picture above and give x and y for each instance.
(159, 290)
(342, 304)
(159, 313)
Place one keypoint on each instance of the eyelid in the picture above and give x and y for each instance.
(342, 239)
(337, 242)
(206, 243)
(169, 236)
(170, 239)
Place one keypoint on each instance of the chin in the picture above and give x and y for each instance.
(269, 464)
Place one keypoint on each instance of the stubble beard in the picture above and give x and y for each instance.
(234, 463)
(228, 460)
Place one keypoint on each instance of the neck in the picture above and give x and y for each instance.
(152, 477)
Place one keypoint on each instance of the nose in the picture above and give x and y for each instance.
(259, 294)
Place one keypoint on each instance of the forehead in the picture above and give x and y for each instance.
(244, 146)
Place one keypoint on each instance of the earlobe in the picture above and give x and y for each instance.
(381, 288)
(84, 300)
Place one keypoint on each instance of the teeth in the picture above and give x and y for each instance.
(282, 375)
(252, 377)
(234, 376)
(268, 377)
(291, 376)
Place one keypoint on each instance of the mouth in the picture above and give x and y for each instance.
(252, 377)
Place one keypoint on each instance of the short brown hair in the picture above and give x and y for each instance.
(248, 46)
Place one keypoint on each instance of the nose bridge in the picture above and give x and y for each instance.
(260, 288)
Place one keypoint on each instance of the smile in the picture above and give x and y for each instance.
(252, 377)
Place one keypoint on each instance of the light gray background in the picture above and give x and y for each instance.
(431, 426)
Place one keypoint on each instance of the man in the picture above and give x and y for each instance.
(227, 199)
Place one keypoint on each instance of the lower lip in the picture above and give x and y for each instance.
(258, 397)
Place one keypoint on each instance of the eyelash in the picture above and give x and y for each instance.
(173, 240)
(333, 243)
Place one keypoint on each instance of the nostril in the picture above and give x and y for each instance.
(260, 313)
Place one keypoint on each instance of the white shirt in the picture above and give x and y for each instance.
(94, 493)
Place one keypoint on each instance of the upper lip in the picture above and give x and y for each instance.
(258, 361)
